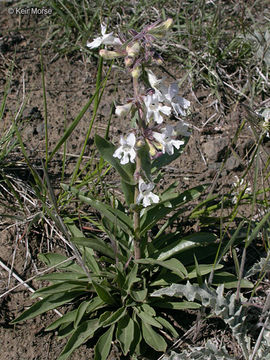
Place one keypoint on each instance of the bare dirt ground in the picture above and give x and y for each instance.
(69, 83)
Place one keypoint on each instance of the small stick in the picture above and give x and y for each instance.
(24, 283)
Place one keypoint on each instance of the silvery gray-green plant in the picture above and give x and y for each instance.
(111, 293)
(232, 312)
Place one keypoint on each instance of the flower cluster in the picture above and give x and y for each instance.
(151, 108)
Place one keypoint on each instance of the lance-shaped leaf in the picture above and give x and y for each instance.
(96, 244)
(114, 317)
(152, 338)
(61, 287)
(60, 262)
(84, 332)
(173, 264)
(115, 215)
(184, 244)
(103, 346)
(48, 303)
(144, 155)
(104, 294)
(125, 333)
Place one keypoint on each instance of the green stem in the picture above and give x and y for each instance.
(136, 214)
(136, 217)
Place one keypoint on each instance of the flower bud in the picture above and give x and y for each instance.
(133, 49)
(161, 29)
(152, 150)
(110, 55)
(136, 72)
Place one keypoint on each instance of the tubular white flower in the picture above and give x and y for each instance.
(178, 103)
(182, 128)
(106, 39)
(154, 108)
(126, 152)
(166, 141)
(145, 194)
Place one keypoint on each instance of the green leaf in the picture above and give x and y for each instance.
(148, 319)
(106, 150)
(65, 319)
(84, 332)
(61, 287)
(94, 304)
(125, 333)
(114, 317)
(257, 229)
(128, 191)
(103, 346)
(137, 338)
(131, 278)
(96, 244)
(179, 305)
(144, 155)
(139, 295)
(80, 312)
(63, 276)
(65, 330)
(115, 215)
(104, 294)
(230, 281)
(48, 303)
(60, 262)
(184, 244)
(168, 326)
(152, 338)
(173, 264)
(198, 272)
(204, 270)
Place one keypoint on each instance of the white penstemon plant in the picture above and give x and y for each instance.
(113, 290)
(151, 108)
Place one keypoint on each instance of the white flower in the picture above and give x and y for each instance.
(166, 141)
(126, 152)
(178, 103)
(145, 194)
(122, 110)
(154, 108)
(106, 39)
(182, 128)
(240, 186)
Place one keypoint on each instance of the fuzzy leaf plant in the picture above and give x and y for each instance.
(232, 311)
(111, 292)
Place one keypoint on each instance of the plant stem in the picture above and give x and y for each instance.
(136, 216)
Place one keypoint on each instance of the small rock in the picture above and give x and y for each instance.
(232, 163)
(215, 149)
